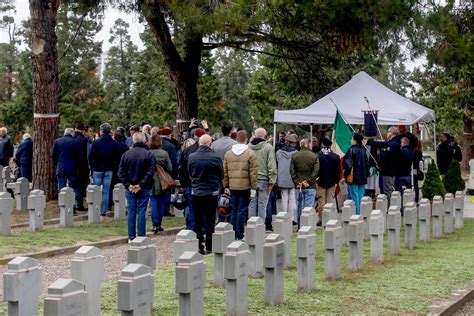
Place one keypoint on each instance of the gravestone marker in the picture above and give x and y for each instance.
(282, 225)
(309, 218)
(223, 236)
(376, 227)
(22, 286)
(332, 243)
(408, 196)
(448, 213)
(366, 206)
(410, 217)
(66, 297)
(66, 200)
(120, 208)
(94, 200)
(21, 189)
(6, 208)
(348, 209)
(273, 261)
(306, 253)
(87, 267)
(470, 184)
(382, 204)
(142, 250)
(355, 235)
(424, 214)
(190, 283)
(396, 199)
(236, 262)
(329, 213)
(185, 241)
(459, 210)
(6, 178)
(437, 216)
(394, 222)
(255, 238)
(36, 205)
(135, 290)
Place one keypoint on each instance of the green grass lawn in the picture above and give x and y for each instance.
(27, 242)
(405, 284)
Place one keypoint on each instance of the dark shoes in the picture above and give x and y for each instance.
(157, 229)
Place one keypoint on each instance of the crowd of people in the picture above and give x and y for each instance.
(249, 170)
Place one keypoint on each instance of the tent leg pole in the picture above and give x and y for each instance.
(434, 140)
(411, 129)
(311, 136)
(274, 134)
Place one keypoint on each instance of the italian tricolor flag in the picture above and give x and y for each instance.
(341, 136)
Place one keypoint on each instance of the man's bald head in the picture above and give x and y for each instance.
(205, 140)
(261, 133)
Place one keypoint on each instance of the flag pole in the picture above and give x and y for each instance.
(373, 116)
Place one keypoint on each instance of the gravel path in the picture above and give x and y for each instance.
(467, 309)
(115, 260)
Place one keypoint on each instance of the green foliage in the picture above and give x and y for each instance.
(432, 185)
(452, 180)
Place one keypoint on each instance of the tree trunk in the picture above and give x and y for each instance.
(184, 72)
(44, 59)
(466, 144)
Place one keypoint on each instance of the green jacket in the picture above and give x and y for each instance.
(163, 159)
(305, 166)
(267, 169)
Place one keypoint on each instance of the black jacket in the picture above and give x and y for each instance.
(172, 152)
(104, 155)
(65, 155)
(205, 170)
(356, 158)
(82, 161)
(329, 169)
(184, 179)
(137, 166)
(405, 163)
(6, 147)
(444, 156)
(389, 155)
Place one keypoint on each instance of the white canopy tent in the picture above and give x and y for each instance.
(393, 109)
(350, 99)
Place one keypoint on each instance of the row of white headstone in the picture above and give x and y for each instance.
(35, 202)
(234, 260)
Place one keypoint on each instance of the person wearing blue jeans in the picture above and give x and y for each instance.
(240, 200)
(137, 205)
(304, 198)
(136, 171)
(103, 159)
(104, 179)
(189, 213)
(356, 169)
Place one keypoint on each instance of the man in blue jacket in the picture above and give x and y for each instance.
(82, 178)
(103, 159)
(24, 157)
(65, 155)
(206, 172)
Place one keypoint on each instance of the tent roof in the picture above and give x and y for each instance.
(393, 109)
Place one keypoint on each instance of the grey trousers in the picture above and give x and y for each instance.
(258, 204)
(388, 186)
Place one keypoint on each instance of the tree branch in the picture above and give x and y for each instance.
(75, 35)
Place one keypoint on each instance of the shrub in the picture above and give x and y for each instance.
(432, 185)
(452, 180)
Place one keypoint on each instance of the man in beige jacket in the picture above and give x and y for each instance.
(240, 176)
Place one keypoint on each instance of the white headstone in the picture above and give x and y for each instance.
(366, 206)
(459, 210)
(236, 262)
(22, 285)
(355, 236)
(306, 253)
(309, 218)
(332, 243)
(21, 189)
(470, 184)
(410, 217)
(94, 201)
(408, 196)
(136, 288)
(142, 250)
(376, 229)
(394, 222)
(87, 267)
(382, 204)
(348, 209)
(273, 262)
(36, 206)
(448, 213)
(223, 236)
(185, 241)
(282, 225)
(6, 178)
(6, 208)
(424, 215)
(329, 213)
(66, 200)
(396, 199)
(120, 206)
(190, 283)
(66, 297)
(255, 238)
(437, 216)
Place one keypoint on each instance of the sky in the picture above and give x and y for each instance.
(23, 13)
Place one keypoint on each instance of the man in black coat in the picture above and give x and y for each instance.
(172, 151)
(329, 174)
(6, 147)
(82, 177)
(447, 151)
(65, 156)
(206, 172)
(24, 157)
